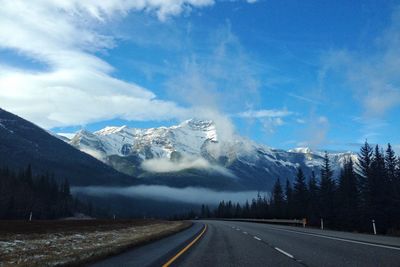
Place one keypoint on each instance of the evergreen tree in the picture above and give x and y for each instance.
(327, 192)
(364, 174)
(278, 201)
(378, 190)
(300, 195)
(289, 200)
(347, 197)
(238, 211)
(390, 164)
(313, 203)
(393, 184)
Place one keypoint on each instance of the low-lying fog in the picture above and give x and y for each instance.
(193, 195)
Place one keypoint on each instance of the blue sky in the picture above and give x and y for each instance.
(324, 74)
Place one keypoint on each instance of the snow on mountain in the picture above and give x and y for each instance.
(195, 144)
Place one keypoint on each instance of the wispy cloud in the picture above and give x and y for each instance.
(164, 165)
(374, 77)
(187, 195)
(265, 113)
(316, 132)
(303, 98)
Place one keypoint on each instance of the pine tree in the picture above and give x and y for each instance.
(278, 201)
(289, 199)
(378, 191)
(300, 195)
(393, 184)
(313, 203)
(390, 164)
(327, 192)
(238, 211)
(364, 173)
(348, 197)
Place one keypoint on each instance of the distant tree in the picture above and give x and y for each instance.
(238, 211)
(300, 195)
(246, 210)
(289, 199)
(313, 204)
(278, 201)
(347, 197)
(364, 174)
(378, 190)
(393, 187)
(327, 192)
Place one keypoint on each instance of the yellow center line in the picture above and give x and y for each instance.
(185, 248)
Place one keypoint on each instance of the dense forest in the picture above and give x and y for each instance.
(365, 190)
(23, 194)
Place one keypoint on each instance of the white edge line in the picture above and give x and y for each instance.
(245, 233)
(257, 238)
(284, 252)
(340, 239)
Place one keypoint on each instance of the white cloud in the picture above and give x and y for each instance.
(374, 76)
(187, 195)
(76, 86)
(270, 119)
(164, 165)
(211, 79)
(265, 113)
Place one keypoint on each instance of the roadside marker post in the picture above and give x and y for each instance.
(374, 226)
(322, 224)
(304, 222)
(30, 216)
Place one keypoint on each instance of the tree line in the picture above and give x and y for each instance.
(23, 194)
(365, 190)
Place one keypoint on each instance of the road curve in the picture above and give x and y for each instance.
(156, 253)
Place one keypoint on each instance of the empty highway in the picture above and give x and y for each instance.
(231, 243)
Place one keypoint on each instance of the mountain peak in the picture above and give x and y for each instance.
(111, 129)
(198, 124)
(303, 150)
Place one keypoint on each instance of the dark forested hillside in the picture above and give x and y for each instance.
(23, 143)
(24, 196)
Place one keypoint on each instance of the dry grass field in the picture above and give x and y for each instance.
(73, 243)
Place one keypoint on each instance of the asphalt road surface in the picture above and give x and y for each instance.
(231, 243)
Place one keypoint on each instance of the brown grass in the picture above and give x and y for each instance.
(73, 243)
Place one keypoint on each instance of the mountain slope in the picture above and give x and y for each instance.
(23, 143)
(193, 154)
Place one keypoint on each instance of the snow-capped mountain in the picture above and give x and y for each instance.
(193, 150)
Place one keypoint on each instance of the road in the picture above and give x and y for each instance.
(231, 243)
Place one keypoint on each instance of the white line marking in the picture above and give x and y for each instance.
(237, 229)
(245, 233)
(284, 252)
(339, 239)
(257, 238)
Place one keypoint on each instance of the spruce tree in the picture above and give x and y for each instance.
(289, 200)
(313, 202)
(364, 173)
(300, 195)
(327, 192)
(347, 197)
(378, 191)
(391, 165)
(277, 203)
